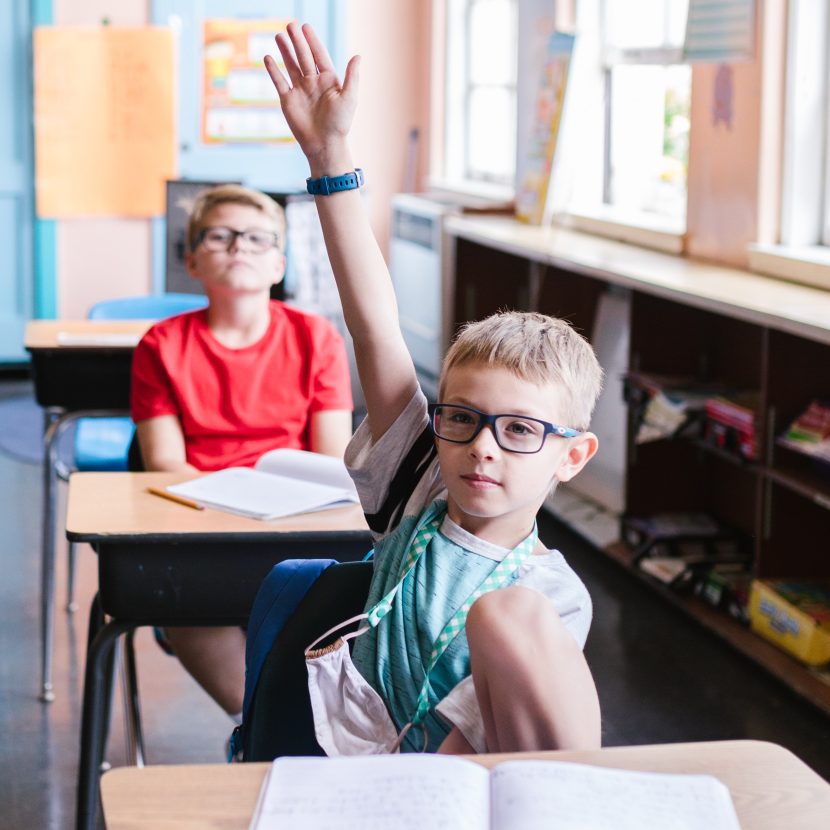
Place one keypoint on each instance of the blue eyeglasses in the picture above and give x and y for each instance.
(514, 433)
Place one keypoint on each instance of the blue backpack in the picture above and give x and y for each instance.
(277, 599)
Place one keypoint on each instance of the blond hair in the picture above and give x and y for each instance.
(233, 194)
(539, 349)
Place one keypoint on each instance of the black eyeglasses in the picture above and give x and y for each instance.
(514, 433)
(220, 238)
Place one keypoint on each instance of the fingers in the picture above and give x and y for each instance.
(276, 76)
(318, 49)
(305, 59)
(351, 78)
(304, 54)
(288, 58)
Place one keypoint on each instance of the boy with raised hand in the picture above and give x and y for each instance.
(220, 386)
(474, 629)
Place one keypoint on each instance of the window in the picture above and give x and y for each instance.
(805, 215)
(801, 252)
(649, 96)
(480, 103)
(628, 70)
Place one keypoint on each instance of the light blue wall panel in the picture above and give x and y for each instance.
(16, 219)
(45, 230)
(269, 167)
(273, 167)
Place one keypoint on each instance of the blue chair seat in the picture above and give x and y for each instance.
(101, 444)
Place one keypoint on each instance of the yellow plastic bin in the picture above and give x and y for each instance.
(793, 615)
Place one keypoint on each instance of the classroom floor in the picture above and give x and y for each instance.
(661, 678)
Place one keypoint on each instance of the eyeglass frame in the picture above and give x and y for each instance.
(200, 238)
(485, 420)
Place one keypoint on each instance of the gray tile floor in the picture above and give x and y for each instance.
(661, 678)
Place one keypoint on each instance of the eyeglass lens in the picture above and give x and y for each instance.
(512, 432)
(221, 239)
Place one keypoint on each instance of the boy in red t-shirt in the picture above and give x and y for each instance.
(220, 386)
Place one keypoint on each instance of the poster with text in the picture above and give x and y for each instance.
(239, 102)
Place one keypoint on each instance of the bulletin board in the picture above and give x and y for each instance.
(239, 103)
(104, 118)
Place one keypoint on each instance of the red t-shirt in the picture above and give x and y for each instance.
(236, 404)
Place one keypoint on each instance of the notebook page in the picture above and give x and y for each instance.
(393, 792)
(324, 469)
(101, 338)
(259, 495)
(557, 795)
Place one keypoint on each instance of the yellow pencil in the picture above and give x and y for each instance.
(158, 491)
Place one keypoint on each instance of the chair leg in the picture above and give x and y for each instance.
(72, 559)
(132, 709)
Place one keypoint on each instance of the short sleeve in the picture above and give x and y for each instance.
(151, 392)
(331, 386)
(398, 474)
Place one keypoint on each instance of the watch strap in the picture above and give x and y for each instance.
(334, 184)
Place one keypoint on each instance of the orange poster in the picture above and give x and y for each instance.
(105, 137)
(239, 102)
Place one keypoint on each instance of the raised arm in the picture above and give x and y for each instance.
(319, 110)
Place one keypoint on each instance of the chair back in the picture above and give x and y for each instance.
(154, 307)
(102, 444)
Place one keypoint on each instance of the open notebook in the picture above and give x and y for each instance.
(282, 483)
(399, 792)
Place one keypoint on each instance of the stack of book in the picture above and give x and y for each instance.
(692, 552)
(809, 433)
(731, 424)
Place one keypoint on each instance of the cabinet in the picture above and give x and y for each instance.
(711, 324)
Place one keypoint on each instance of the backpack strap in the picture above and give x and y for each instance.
(277, 598)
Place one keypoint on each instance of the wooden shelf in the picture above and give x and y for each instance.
(726, 455)
(685, 319)
(797, 475)
(796, 676)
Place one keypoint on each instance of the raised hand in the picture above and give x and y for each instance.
(318, 108)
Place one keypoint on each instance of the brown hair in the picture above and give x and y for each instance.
(537, 348)
(233, 194)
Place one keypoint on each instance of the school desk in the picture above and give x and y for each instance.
(162, 563)
(81, 368)
(770, 787)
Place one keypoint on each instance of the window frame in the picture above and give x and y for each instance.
(797, 248)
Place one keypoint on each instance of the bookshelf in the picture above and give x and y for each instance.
(710, 323)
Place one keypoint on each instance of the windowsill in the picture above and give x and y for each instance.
(645, 229)
(808, 265)
(735, 292)
(466, 193)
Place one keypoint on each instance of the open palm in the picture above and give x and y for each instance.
(318, 108)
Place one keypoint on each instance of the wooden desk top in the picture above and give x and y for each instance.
(103, 505)
(765, 301)
(84, 334)
(770, 787)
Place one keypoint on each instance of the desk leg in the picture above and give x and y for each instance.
(56, 424)
(47, 565)
(97, 687)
